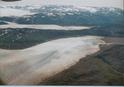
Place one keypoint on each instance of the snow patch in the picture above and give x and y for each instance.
(45, 26)
(5, 12)
(32, 65)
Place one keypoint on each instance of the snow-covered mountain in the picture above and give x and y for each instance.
(53, 10)
(61, 15)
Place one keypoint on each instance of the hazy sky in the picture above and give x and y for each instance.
(95, 3)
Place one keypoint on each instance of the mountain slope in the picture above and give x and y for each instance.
(20, 38)
(102, 68)
(65, 15)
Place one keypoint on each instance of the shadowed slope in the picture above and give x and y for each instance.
(102, 68)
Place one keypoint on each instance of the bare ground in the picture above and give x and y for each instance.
(102, 68)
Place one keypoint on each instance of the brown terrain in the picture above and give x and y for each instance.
(102, 68)
(1, 82)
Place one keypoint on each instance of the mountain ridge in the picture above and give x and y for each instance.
(65, 15)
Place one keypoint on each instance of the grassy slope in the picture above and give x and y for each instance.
(102, 68)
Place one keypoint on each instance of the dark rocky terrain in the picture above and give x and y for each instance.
(102, 68)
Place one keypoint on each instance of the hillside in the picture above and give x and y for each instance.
(20, 38)
(102, 68)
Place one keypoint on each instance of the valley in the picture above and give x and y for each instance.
(61, 45)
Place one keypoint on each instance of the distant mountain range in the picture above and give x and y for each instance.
(105, 22)
(65, 15)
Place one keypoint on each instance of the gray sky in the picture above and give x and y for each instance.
(95, 3)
